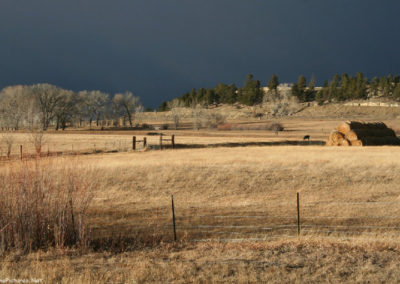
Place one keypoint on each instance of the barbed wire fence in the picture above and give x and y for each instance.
(239, 227)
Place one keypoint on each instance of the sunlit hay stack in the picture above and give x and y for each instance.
(345, 127)
(357, 133)
(43, 203)
(337, 139)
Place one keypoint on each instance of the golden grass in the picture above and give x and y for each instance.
(350, 208)
(280, 261)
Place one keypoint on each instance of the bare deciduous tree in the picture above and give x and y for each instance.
(280, 102)
(17, 108)
(66, 108)
(48, 99)
(127, 104)
(94, 105)
(176, 108)
(197, 114)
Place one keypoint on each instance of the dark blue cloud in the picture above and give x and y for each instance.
(160, 49)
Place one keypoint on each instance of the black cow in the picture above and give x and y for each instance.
(307, 137)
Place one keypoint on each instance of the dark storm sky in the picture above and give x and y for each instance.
(159, 49)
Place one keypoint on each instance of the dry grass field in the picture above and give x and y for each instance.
(88, 142)
(235, 211)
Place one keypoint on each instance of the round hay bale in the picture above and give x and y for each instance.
(356, 143)
(334, 138)
(346, 126)
(377, 125)
(344, 142)
(380, 141)
(351, 135)
(357, 134)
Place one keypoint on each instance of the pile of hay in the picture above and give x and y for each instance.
(357, 133)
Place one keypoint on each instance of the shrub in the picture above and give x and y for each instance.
(8, 140)
(213, 120)
(43, 203)
(146, 126)
(37, 139)
(276, 126)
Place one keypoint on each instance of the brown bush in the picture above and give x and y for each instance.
(43, 203)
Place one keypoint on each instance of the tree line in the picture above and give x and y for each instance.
(340, 88)
(44, 105)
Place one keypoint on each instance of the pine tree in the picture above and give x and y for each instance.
(299, 88)
(273, 83)
(251, 93)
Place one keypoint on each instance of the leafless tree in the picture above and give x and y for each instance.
(17, 107)
(127, 105)
(66, 108)
(176, 108)
(48, 99)
(280, 102)
(197, 114)
(94, 105)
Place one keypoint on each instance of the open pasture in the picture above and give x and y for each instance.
(236, 213)
(95, 141)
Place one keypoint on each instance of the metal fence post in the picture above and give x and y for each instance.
(173, 216)
(298, 214)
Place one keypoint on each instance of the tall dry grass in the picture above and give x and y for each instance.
(43, 203)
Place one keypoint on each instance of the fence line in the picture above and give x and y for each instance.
(293, 217)
(307, 227)
(283, 226)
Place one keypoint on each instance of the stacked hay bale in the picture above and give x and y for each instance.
(357, 133)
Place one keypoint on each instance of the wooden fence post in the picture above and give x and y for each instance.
(298, 214)
(173, 216)
(160, 141)
(144, 142)
(20, 149)
(134, 143)
(173, 141)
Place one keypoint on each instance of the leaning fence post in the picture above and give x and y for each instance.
(160, 141)
(134, 143)
(144, 142)
(298, 214)
(173, 141)
(173, 216)
(20, 149)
